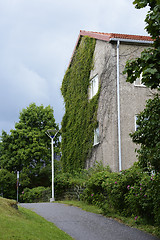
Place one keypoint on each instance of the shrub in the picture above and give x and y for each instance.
(156, 199)
(62, 184)
(117, 187)
(143, 198)
(69, 186)
(38, 194)
(72, 185)
(130, 192)
(94, 192)
(110, 188)
(7, 184)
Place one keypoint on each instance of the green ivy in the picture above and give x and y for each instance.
(80, 117)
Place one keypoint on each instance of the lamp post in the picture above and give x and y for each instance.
(51, 134)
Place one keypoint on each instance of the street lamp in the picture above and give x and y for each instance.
(51, 134)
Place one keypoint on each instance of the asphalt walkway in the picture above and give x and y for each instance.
(82, 225)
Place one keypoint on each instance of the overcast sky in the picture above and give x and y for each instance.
(37, 38)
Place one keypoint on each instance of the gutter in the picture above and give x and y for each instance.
(131, 41)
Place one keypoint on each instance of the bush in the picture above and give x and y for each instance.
(130, 192)
(156, 198)
(109, 187)
(8, 184)
(94, 192)
(62, 184)
(117, 187)
(69, 186)
(38, 194)
(143, 198)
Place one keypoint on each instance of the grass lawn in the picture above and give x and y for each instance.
(84, 206)
(129, 221)
(23, 224)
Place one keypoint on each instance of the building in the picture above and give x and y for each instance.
(119, 101)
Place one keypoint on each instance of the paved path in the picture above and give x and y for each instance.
(83, 225)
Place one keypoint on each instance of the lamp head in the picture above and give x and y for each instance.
(51, 132)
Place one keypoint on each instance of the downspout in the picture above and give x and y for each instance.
(118, 40)
(118, 110)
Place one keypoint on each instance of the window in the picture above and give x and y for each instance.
(138, 82)
(93, 88)
(96, 136)
(145, 121)
(136, 125)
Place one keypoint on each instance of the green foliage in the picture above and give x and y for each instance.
(7, 184)
(62, 184)
(27, 148)
(143, 198)
(83, 205)
(147, 66)
(152, 18)
(38, 194)
(103, 186)
(148, 135)
(80, 117)
(94, 193)
(117, 184)
(149, 63)
(74, 183)
(69, 186)
(130, 192)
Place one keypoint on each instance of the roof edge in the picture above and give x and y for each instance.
(110, 37)
(104, 37)
(116, 36)
(132, 40)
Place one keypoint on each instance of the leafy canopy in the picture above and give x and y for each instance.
(27, 147)
(148, 65)
(148, 135)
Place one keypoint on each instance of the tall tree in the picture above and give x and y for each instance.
(148, 136)
(148, 66)
(27, 147)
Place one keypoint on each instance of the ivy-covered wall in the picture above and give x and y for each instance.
(80, 118)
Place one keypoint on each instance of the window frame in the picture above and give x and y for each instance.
(138, 82)
(96, 136)
(93, 89)
(135, 121)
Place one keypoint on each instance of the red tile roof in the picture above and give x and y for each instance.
(110, 36)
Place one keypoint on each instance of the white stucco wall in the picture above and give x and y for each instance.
(132, 101)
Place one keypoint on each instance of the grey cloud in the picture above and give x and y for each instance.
(37, 41)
